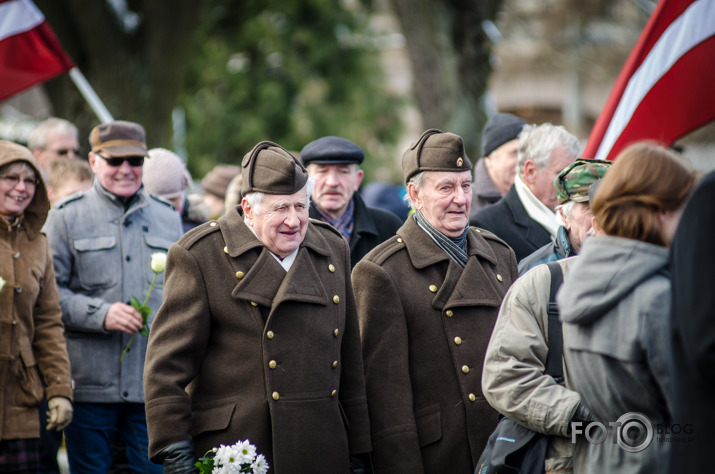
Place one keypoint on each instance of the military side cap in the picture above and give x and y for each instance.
(574, 181)
(499, 129)
(119, 138)
(269, 168)
(331, 151)
(435, 150)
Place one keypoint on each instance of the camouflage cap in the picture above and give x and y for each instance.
(573, 182)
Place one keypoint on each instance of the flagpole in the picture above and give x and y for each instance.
(90, 96)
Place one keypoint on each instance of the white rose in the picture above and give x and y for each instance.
(158, 262)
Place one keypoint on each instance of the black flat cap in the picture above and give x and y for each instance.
(499, 129)
(331, 151)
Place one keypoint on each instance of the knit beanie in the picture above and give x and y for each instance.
(165, 174)
(498, 130)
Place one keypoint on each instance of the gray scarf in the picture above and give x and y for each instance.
(455, 248)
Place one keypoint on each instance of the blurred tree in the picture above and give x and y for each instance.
(450, 52)
(133, 52)
(288, 72)
(243, 71)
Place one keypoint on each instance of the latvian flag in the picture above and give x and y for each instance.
(667, 86)
(29, 50)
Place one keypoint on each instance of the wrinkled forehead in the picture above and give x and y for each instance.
(448, 177)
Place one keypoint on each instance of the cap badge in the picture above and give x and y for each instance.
(460, 162)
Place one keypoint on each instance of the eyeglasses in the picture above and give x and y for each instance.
(65, 151)
(117, 162)
(12, 180)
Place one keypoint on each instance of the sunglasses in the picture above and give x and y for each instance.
(117, 162)
(65, 151)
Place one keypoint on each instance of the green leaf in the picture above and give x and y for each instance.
(136, 303)
(144, 331)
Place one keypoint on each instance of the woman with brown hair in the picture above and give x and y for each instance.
(32, 343)
(615, 306)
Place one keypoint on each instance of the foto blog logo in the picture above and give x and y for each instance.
(633, 432)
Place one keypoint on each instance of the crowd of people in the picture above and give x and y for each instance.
(149, 324)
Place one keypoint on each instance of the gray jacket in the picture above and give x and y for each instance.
(101, 252)
(617, 340)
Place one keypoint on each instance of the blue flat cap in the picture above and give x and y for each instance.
(331, 151)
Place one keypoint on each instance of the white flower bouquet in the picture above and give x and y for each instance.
(239, 457)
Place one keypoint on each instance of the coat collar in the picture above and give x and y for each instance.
(472, 285)
(522, 218)
(363, 223)
(260, 283)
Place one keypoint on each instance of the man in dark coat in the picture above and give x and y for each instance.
(525, 217)
(692, 260)
(258, 336)
(427, 301)
(334, 163)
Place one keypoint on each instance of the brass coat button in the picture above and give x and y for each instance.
(336, 332)
(335, 363)
(331, 267)
(213, 224)
(472, 397)
(449, 313)
(433, 288)
(225, 249)
(272, 364)
(399, 239)
(499, 277)
(465, 369)
(270, 334)
(335, 392)
(336, 299)
(458, 340)
(275, 396)
(253, 303)
(239, 275)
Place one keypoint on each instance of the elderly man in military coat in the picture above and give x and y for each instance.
(258, 336)
(427, 301)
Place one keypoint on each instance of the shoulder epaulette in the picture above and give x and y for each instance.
(71, 198)
(197, 233)
(488, 235)
(382, 252)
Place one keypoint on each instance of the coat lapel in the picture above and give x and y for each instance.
(468, 286)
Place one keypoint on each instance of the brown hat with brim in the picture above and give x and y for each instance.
(269, 168)
(119, 138)
(435, 150)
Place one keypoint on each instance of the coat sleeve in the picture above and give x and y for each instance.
(383, 328)
(513, 379)
(176, 348)
(49, 344)
(352, 393)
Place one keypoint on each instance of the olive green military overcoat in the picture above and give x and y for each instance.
(240, 349)
(425, 324)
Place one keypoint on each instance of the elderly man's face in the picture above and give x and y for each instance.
(578, 224)
(123, 179)
(541, 181)
(501, 165)
(58, 144)
(444, 200)
(334, 186)
(281, 221)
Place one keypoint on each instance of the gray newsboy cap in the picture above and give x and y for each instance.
(331, 151)
(269, 168)
(435, 150)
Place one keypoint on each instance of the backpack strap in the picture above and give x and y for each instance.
(554, 365)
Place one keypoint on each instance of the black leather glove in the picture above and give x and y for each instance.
(178, 458)
(582, 414)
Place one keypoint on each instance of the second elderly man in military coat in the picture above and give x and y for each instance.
(427, 301)
(258, 336)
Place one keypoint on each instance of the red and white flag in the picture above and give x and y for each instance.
(667, 86)
(29, 50)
